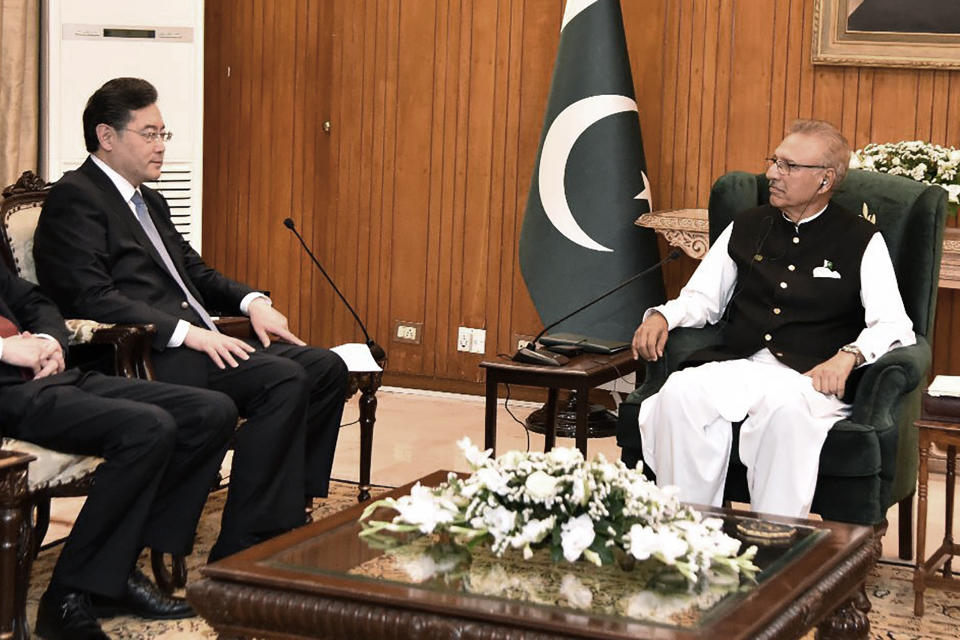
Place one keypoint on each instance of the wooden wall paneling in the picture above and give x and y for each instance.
(938, 116)
(864, 108)
(446, 119)
(848, 119)
(924, 105)
(497, 217)
(894, 105)
(340, 228)
(412, 186)
(458, 204)
(499, 339)
(434, 292)
(779, 76)
(701, 148)
(646, 38)
(751, 75)
(540, 29)
(485, 94)
(724, 78)
(666, 159)
(827, 95)
(685, 96)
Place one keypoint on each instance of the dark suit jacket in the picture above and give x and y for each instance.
(94, 259)
(22, 304)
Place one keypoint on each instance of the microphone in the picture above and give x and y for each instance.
(375, 350)
(544, 357)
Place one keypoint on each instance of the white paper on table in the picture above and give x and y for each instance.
(945, 386)
(357, 357)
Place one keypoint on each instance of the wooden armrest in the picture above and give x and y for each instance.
(131, 344)
(235, 326)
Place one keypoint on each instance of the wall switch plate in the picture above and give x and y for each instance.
(478, 343)
(409, 332)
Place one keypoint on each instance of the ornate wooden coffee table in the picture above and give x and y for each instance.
(322, 581)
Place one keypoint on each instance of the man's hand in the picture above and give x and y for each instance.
(221, 348)
(830, 377)
(650, 337)
(267, 321)
(41, 355)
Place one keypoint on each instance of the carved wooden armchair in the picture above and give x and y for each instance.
(25, 505)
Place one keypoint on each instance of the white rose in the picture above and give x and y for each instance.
(511, 459)
(954, 155)
(575, 536)
(499, 521)
(492, 480)
(422, 509)
(541, 486)
(953, 192)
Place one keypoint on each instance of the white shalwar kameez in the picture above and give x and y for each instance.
(686, 427)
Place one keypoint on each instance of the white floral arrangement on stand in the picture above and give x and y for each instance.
(600, 511)
(922, 161)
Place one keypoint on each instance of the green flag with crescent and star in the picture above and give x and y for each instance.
(590, 185)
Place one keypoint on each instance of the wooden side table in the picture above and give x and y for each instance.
(939, 424)
(581, 374)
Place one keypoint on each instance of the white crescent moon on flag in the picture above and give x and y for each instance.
(564, 132)
(573, 8)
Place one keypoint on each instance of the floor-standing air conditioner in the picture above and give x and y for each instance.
(87, 42)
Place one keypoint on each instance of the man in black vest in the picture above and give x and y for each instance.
(162, 446)
(106, 248)
(809, 293)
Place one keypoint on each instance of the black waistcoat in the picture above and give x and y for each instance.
(778, 302)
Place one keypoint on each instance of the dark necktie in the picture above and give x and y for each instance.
(8, 330)
(143, 216)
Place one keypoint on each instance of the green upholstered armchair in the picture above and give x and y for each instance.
(869, 461)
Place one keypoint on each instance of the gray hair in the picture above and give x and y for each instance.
(837, 156)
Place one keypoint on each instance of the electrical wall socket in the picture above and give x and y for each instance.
(521, 340)
(471, 340)
(464, 339)
(409, 332)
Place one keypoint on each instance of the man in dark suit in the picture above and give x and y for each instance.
(105, 248)
(162, 446)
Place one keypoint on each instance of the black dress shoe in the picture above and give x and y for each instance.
(67, 616)
(142, 598)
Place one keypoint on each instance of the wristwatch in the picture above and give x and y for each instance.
(855, 350)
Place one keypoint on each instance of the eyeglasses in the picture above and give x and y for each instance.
(152, 136)
(785, 166)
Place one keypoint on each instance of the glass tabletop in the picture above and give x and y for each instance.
(432, 569)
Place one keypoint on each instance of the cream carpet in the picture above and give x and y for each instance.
(890, 589)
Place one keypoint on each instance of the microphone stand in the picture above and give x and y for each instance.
(545, 357)
(366, 382)
(375, 349)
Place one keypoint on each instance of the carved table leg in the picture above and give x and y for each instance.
(369, 383)
(16, 545)
(948, 522)
(848, 622)
(919, 574)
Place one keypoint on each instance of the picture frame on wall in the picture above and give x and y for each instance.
(922, 34)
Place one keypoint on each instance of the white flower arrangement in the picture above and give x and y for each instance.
(922, 161)
(600, 511)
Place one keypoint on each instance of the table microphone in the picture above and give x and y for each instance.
(535, 355)
(375, 350)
